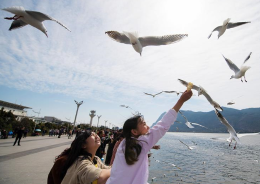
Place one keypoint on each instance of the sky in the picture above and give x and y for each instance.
(48, 74)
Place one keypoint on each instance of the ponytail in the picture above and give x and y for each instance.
(132, 146)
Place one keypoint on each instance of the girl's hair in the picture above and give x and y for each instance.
(75, 151)
(132, 147)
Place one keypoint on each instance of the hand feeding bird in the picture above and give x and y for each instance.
(226, 25)
(139, 42)
(24, 17)
(202, 91)
(239, 73)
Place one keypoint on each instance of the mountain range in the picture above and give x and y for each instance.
(243, 121)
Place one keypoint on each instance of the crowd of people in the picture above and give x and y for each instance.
(126, 159)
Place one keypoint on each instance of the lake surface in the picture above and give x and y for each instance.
(211, 161)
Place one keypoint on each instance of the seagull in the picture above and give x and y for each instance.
(24, 17)
(177, 92)
(226, 25)
(239, 73)
(139, 42)
(231, 103)
(190, 147)
(203, 92)
(152, 94)
(153, 178)
(187, 122)
(231, 130)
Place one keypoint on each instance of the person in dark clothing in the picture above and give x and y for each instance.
(19, 136)
(25, 133)
(60, 132)
(111, 145)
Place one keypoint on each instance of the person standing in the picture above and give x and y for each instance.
(19, 135)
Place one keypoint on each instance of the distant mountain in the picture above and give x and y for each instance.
(243, 121)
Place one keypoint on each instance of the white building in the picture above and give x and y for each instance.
(17, 110)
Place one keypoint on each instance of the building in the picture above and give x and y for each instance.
(17, 110)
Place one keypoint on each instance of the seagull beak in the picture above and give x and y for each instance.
(46, 35)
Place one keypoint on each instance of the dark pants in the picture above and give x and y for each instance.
(17, 138)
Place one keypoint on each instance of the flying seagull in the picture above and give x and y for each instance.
(239, 73)
(24, 17)
(226, 25)
(231, 130)
(177, 92)
(188, 124)
(202, 91)
(139, 42)
(152, 94)
(189, 147)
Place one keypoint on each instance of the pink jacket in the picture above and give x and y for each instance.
(138, 173)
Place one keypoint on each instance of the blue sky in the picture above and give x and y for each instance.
(85, 64)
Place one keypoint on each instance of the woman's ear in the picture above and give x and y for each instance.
(134, 132)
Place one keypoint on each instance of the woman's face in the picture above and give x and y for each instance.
(142, 127)
(92, 142)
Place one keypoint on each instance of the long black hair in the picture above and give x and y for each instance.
(132, 146)
(75, 151)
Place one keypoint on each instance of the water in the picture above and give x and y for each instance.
(211, 161)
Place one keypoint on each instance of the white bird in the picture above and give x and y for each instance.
(24, 17)
(177, 92)
(203, 92)
(187, 122)
(239, 73)
(190, 147)
(152, 94)
(231, 130)
(226, 25)
(231, 103)
(139, 42)
(153, 178)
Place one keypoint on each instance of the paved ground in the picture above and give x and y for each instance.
(31, 162)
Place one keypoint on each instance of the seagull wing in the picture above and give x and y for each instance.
(17, 24)
(235, 24)
(216, 29)
(15, 9)
(184, 144)
(148, 94)
(158, 93)
(187, 122)
(170, 91)
(247, 58)
(42, 17)
(161, 40)
(242, 135)
(199, 125)
(186, 84)
(230, 129)
(231, 65)
(119, 37)
(211, 101)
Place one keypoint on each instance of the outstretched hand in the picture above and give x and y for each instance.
(184, 97)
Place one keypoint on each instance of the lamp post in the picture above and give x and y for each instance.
(78, 104)
(92, 115)
(38, 118)
(105, 123)
(98, 120)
